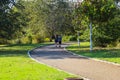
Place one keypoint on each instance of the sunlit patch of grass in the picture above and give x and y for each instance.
(108, 54)
(16, 65)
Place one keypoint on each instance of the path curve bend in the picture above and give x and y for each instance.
(79, 65)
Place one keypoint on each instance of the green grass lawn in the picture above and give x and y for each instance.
(108, 54)
(16, 65)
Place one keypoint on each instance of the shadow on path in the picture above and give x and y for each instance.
(52, 52)
(61, 59)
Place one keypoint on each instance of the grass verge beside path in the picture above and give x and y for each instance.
(108, 54)
(16, 65)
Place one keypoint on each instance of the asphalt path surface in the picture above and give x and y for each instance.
(82, 66)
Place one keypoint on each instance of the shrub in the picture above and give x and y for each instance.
(85, 36)
(69, 38)
(65, 38)
(34, 41)
(37, 38)
(3, 41)
(72, 38)
(25, 40)
(47, 39)
(115, 44)
(107, 34)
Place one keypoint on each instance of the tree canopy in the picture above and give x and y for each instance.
(31, 21)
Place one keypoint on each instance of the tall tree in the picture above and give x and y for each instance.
(11, 19)
(97, 12)
(55, 16)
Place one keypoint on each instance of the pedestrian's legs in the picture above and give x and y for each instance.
(55, 44)
(59, 43)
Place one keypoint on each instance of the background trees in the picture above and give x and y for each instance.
(28, 21)
(100, 13)
(11, 20)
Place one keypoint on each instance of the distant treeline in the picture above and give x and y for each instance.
(35, 21)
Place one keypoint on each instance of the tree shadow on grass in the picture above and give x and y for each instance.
(33, 45)
(13, 53)
(15, 50)
(77, 47)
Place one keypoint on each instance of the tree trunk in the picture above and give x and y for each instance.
(91, 47)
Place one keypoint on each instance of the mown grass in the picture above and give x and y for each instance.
(108, 54)
(16, 65)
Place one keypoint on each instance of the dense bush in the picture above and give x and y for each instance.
(47, 39)
(2, 41)
(37, 38)
(65, 38)
(85, 36)
(69, 38)
(107, 34)
(25, 40)
(72, 38)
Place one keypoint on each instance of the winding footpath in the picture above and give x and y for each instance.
(82, 66)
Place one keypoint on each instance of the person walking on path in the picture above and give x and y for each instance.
(60, 40)
(56, 40)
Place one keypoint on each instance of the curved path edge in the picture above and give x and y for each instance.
(92, 58)
(61, 54)
(51, 66)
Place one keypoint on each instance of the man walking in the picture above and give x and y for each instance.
(56, 40)
(59, 40)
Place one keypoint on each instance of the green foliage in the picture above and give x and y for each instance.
(104, 15)
(32, 39)
(97, 11)
(72, 38)
(108, 33)
(46, 39)
(3, 41)
(40, 19)
(85, 35)
(25, 40)
(11, 20)
(38, 38)
(59, 23)
(65, 38)
(69, 38)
